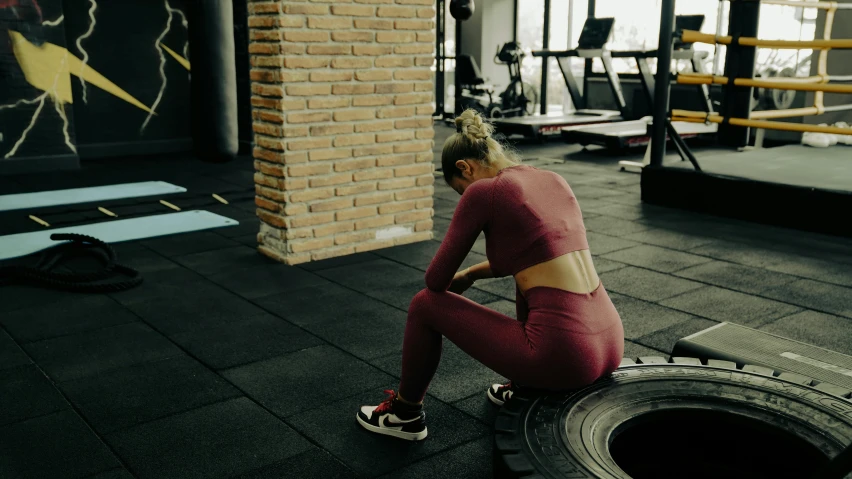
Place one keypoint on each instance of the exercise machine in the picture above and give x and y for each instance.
(634, 133)
(592, 44)
(518, 99)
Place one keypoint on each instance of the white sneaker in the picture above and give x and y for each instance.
(394, 418)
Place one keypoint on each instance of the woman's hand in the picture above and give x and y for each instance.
(461, 282)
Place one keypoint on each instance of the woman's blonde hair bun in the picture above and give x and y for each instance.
(473, 126)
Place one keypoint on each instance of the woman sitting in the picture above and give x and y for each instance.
(567, 333)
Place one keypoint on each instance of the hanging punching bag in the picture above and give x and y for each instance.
(461, 9)
(213, 81)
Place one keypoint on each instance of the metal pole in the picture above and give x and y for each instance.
(545, 61)
(719, 12)
(743, 19)
(587, 70)
(457, 105)
(661, 83)
(515, 22)
(440, 78)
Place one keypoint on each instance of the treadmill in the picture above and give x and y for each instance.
(593, 39)
(634, 133)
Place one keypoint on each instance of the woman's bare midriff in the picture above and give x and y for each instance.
(574, 272)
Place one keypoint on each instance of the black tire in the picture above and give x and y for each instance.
(674, 420)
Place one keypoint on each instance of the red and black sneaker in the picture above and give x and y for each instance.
(500, 393)
(394, 418)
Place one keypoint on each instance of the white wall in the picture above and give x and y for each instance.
(489, 27)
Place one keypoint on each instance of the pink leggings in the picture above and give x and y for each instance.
(561, 340)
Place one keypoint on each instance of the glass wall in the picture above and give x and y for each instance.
(566, 23)
(637, 24)
(449, 64)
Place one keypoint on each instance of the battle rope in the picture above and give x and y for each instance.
(80, 245)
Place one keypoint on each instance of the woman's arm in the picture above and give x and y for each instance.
(479, 271)
(469, 219)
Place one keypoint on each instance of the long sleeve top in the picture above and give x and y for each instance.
(528, 215)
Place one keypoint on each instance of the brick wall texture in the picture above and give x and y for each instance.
(342, 117)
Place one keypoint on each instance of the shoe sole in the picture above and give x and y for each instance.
(408, 436)
(493, 399)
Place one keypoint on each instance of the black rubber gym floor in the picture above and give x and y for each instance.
(226, 364)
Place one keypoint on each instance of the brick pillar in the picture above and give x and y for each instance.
(342, 115)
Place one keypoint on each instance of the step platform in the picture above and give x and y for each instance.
(742, 345)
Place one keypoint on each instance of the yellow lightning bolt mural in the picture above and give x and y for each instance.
(48, 68)
(183, 61)
(41, 65)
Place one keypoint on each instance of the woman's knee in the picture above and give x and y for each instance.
(424, 301)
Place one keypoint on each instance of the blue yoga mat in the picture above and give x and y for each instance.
(43, 199)
(13, 246)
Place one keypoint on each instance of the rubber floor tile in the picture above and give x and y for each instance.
(645, 284)
(473, 460)
(249, 226)
(635, 350)
(816, 269)
(502, 287)
(113, 474)
(725, 305)
(364, 337)
(65, 317)
(458, 376)
(163, 285)
(600, 243)
(217, 441)
(245, 341)
(417, 255)
(260, 281)
(313, 464)
(823, 330)
(198, 308)
(129, 396)
(335, 429)
(14, 297)
(440, 226)
(656, 258)
(188, 243)
(604, 265)
(372, 276)
(247, 240)
(665, 339)
(504, 306)
(96, 352)
(613, 226)
(738, 277)
(27, 393)
(629, 212)
(339, 261)
(280, 384)
(56, 446)
(11, 355)
(398, 295)
(816, 295)
(146, 261)
(323, 304)
(641, 318)
(480, 407)
(740, 253)
(583, 191)
(670, 239)
(482, 297)
(225, 260)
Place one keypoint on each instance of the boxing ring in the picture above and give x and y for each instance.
(792, 186)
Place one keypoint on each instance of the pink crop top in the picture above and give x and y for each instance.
(528, 215)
